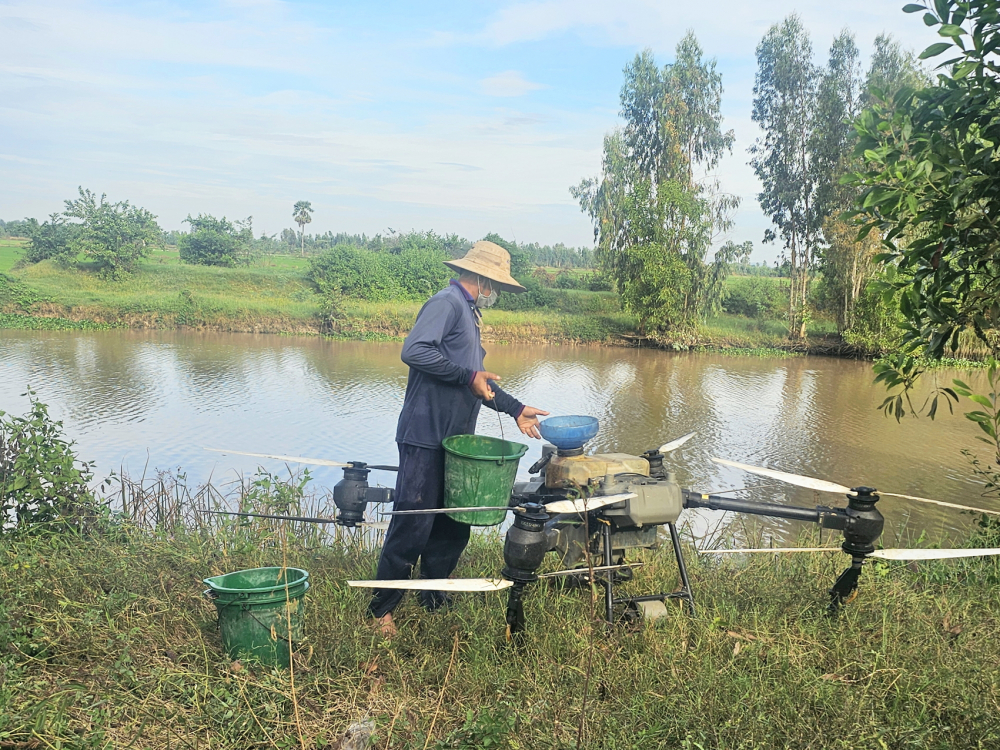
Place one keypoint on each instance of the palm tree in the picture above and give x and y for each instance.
(302, 213)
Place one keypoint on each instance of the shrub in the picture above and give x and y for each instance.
(216, 242)
(534, 297)
(754, 297)
(403, 273)
(51, 240)
(41, 480)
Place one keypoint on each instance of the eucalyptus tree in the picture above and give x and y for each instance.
(844, 263)
(302, 214)
(785, 92)
(847, 263)
(654, 220)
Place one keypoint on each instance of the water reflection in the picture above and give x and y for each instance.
(129, 398)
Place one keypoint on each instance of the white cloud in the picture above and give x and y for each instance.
(508, 83)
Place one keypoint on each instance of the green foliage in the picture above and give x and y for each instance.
(115, 236)
(931, 183)
(408, 273)
(42, 483)
(988, 416)
(51, 240)
(754, 297)
(217, 242)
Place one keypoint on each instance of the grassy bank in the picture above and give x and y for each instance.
(107, 642)
(276, 297)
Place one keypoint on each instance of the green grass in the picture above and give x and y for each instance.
(276, 297)
(106, 642)
(10, 252)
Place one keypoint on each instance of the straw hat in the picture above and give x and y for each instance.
(489, 261)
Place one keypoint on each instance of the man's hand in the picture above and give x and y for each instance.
(528, 421)
(480, 387)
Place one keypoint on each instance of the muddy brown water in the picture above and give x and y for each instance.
(149, 401)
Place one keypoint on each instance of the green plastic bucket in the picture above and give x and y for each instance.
(260, 612)
(479, 470)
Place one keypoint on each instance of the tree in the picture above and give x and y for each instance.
(847, 264)
(115, 236)
(302, 213)
(783, 106)
(216, 242)
(931, 184)
(653, 222)
(51, 240)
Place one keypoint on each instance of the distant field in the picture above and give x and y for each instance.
(10, 252)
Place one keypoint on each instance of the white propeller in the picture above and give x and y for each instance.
(438, 584)
(584, 504)
(559, 506)
(821, 485)
(293, 459)
(675, 444)
(881, 554)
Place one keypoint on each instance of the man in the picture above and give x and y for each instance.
(446, 386)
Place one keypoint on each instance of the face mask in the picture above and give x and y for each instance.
(486, 301)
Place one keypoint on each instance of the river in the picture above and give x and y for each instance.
(147, 401)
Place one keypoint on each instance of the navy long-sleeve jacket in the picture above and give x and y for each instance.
(443, 351)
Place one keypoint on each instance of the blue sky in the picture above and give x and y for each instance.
(465, 117)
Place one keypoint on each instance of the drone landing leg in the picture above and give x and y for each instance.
(846, 585)
(607, 580)
(515, 609)
(685, 592)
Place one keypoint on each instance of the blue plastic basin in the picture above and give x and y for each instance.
(567, 433)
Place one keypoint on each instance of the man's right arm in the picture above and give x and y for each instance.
(422, 348)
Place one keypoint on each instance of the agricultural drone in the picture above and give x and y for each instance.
(599, 506)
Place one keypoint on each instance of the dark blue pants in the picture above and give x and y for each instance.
(437, 540)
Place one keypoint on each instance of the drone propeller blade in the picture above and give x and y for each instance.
(307, 519)
(880, 554)
(941, 503)
(584, 504)
(932, 554)
(675, 444)
(820, 485)
(767, 549)
(595, 569)
(438, 584)
(293, 459)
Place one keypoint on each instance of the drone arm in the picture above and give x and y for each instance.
(717, 502)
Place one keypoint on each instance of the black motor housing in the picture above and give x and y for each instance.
(352, 494)
(526, 543)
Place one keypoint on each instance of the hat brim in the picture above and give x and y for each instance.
(504, 281)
